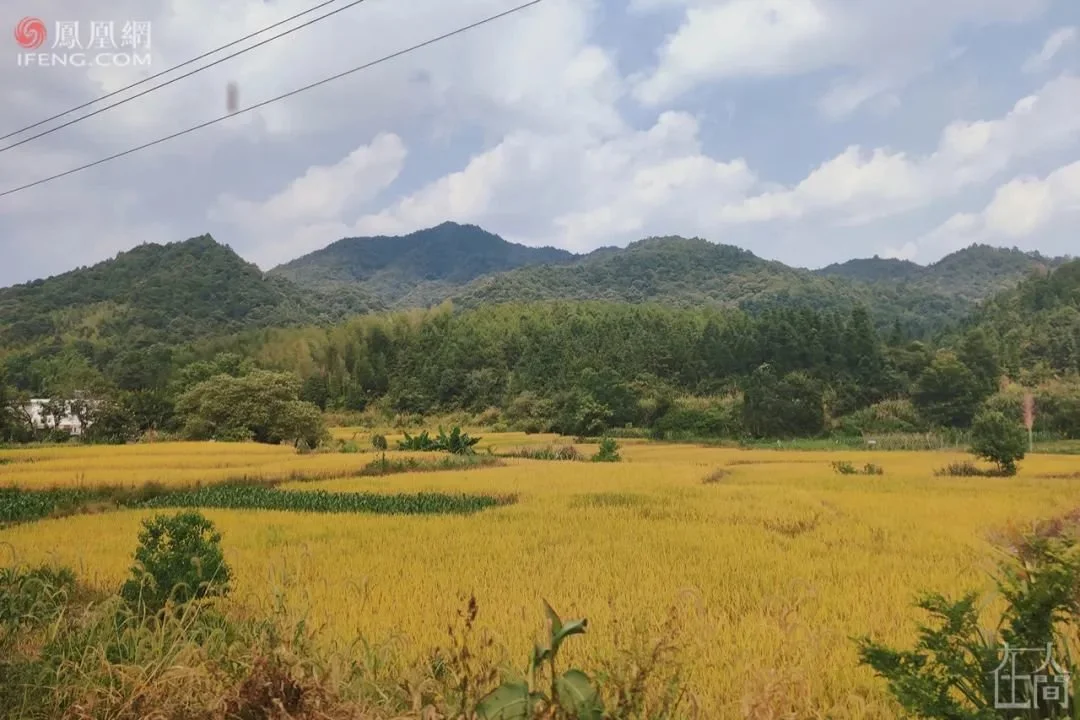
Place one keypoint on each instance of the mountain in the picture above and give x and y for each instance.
(163, 293)
(974, 273)
(421, 268)
(471, 266)
(873, 269)
(692, 272)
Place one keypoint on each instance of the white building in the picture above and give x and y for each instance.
(41, 420)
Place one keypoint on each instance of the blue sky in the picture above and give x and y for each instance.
(809, 131)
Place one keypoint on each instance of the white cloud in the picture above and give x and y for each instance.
(1058, 41)
(879, 45)
(292, 222)
(578, 189)
(1026, 212)
(859, 186)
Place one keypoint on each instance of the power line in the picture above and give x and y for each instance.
(167, 70)
(264, 103)
(175, 79)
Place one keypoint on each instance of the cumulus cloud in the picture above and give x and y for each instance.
(859, 185)
(578, 189)
(1026, 212)
(876, 45)
(319, 201)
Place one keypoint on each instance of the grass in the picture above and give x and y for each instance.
(772, 569)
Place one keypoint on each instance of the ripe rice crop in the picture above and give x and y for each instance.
(171, 465)
(773, 568)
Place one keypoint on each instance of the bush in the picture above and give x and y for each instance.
(608, 452)
(846, 468)
(1057, 406)
(178, 560)
(888, 416)
(700, 418)
(949, 674)
(964, 469)
(998, 439)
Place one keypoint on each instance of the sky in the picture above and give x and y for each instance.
(807, 131)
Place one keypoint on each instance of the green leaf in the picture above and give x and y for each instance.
(577, 696)
(509, 701)
(556, 623)
(574, 627)
(539, 655)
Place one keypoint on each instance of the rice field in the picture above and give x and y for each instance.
(772, 565)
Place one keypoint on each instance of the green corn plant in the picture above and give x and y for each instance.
(570, 695)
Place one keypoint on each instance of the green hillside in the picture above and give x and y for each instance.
(973, 273)
(421, 268)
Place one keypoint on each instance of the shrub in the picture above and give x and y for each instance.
(949, 674)
(178, 559)
(700, 418)
(998, 439)
(964, 469)
(608, 451)
(846, 468)
(888, 416)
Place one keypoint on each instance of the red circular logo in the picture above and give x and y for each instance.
(30, 33)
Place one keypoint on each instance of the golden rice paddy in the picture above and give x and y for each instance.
(773, 566)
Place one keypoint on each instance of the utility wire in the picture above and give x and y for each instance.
(175, 79)
(167, 70)
(264, 103)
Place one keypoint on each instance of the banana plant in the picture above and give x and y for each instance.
(569, 695)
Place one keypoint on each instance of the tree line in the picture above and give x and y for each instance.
(587, 367)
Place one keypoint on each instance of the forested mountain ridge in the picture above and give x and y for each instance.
(472, 267)
(690, 272)
(417, 269)
(164, 293)
(181, 291)
(973, 273)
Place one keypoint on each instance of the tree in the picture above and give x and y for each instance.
(947, 393)
(14, 425)
(315, 391)
(262, 406)
(980, 357)
(998, 439)
(791, 406)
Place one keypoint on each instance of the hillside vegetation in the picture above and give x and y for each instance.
(163, 293)
(416, 269)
